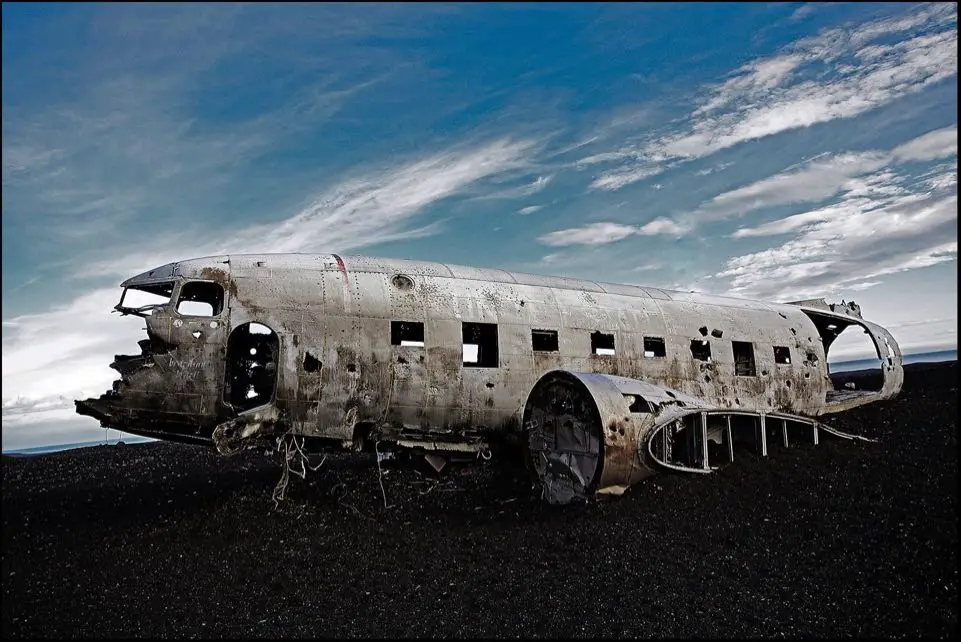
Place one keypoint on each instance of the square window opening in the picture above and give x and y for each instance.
(602, 344)
(701, 349)
(654, 347)
(407, 334)
(544, 340)
(744, 359)
(782, 354)
(201, 299)
(480, 345)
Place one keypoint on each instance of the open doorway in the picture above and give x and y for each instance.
(853, 359)
(854, 363)
(252, 353)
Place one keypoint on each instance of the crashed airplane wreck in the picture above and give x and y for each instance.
(601, 385)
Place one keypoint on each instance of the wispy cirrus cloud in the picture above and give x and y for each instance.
(762, 103)
(617, 180)
(358, 212)
(942, 178)
(51, 356)
(524, 190)
(373, 210)
(837, 74)
(593, 234)
(941, 143)
(855, 241)
(606, 232)
(804, 11)
(814, 181)
(154, 121)
(824, 177)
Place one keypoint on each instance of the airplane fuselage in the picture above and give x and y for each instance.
(443, 356)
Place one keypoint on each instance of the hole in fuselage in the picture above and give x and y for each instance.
(854, 362)
(252, 356)
(701, 350)
(312, 363)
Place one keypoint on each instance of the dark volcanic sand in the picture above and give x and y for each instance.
(848, 538)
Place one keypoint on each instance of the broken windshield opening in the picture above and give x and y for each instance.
(142, 300)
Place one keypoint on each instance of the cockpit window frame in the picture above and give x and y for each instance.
(176, 300)
(149, 288)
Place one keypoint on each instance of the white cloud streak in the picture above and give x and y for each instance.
(664, 226)
(52, 357)
(617, 180)
(138, 136)
(593, 234)
(360, 212)
(837, 74)
(530, 209)
(606, 232)
(941, 143)
(815, 181)
(827, 176)
(763, 106)
(847, 244)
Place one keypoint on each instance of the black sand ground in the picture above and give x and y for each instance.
(844, 539)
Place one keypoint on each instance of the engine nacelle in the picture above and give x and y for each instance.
(587, 433)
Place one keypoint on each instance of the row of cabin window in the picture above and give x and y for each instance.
(203, 298)
(480, 345)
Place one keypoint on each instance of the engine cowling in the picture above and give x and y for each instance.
(586, 433)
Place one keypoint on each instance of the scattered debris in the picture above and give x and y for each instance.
(295, 461)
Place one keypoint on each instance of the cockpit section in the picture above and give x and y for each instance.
(174, 387)
(194, 298)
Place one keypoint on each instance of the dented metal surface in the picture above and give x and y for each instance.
(352, 351)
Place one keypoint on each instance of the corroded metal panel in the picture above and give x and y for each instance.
(336, 369)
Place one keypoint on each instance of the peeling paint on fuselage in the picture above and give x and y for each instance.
(339, 310)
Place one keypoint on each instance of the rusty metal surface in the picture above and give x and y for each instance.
(338, 378)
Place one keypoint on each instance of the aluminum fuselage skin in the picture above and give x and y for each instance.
(338, 310)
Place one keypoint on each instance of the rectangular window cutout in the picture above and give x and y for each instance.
(407, 333)
(201, 299)
(544, 340)
(480, 345)
(782, 354)
(701, 349)
(744, 359)
(602, 344)
(654, 347)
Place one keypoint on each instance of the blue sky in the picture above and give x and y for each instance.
(773, 151)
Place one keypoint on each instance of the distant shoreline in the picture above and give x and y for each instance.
(936, 356)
